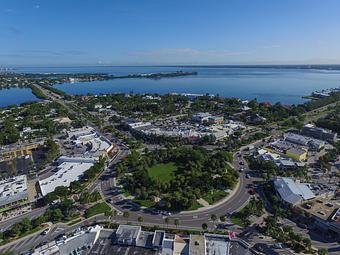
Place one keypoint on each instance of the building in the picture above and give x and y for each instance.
(215, 120)
(292, 192)
(310, 143)
(201, 117)
(13, 192)
(79, 243)
(197, 245)
(290, 150)
(84, 132)
(158, 239)
(299, 154)
(63, 120)
(283, 163)
(326, 214)
(14, 151)
(181, 245)
(68, 170)
(128, 235)
(222, 244)
(92, 143)
(159, 242)
(319, 133)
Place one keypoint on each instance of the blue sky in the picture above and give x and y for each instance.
(161, 32)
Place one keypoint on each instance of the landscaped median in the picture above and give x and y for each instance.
(97, 209)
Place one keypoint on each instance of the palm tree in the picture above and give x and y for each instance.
(140, 219)
(126, 215)
(205, 226)
(176, 222)
(213, 217)
(167, 221)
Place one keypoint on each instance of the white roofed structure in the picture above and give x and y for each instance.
(292, 192)
(69, 170)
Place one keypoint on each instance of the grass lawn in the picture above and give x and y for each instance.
(75, 221)
(146, 203)
(195, 206)
(97, 209)
(215, 196)
(162, 172)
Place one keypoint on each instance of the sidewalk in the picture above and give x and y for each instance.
(222, 201)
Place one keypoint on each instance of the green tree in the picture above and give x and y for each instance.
(176, 222)
(26, 225)
(57, 215)
(167, 221)
(140, 219)
(126, 214)
(322, 251)
(204, 226)
(213, 217)
(223, 218)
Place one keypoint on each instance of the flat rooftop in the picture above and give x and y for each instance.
(197, 245)
(216, 245)
(322, 208)
(67, 172)
(128, 232)
(13, 189)
(223, 245)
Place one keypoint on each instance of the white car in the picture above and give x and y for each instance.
(45, 232)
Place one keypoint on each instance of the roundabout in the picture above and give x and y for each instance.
(193, 219)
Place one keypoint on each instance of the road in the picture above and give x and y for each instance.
(193, 219)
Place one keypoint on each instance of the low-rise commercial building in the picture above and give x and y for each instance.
(79, 243)
(308, 142)
(128, 235)
(299, 154)
(92, 143)
(169, 244)
(222, 244)
(14, 151)
(216, 120)
(291, 191)
(68, 170)
(289, 149)
(201, 117)
(13, 192)
(319, 133)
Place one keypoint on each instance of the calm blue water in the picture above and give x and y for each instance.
(16, 96)
(266, 84)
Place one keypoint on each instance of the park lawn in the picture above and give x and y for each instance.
(163, 172)
(214, 196)
(97, 209)
(145, 203)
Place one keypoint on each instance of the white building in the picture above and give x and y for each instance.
(96, 145)
(13, 190)
(71, 245)
(292, 192)
(69, 170)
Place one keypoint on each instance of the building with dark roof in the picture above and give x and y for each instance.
(319, 133)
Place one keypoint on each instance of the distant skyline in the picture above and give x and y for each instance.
(168, 32)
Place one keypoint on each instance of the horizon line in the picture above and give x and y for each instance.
(178, 65)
